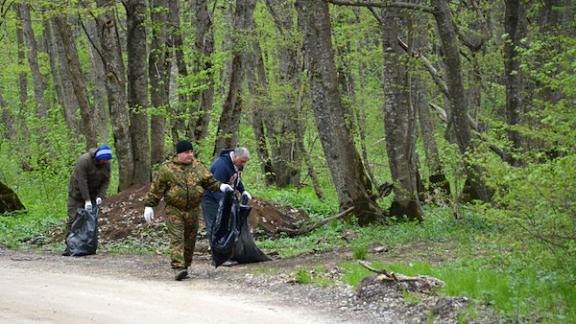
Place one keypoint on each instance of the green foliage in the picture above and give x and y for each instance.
(411, 298)
(360, 252)
(511, 290)
(303, 276)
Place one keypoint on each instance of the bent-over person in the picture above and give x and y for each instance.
(89, 180)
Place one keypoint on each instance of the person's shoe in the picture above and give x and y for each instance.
(180, 274)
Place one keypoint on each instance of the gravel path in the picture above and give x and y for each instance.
(140, 288)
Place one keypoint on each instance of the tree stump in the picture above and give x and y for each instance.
(9, 201)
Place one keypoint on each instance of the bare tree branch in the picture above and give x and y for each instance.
(376, 15)
(444, 116)
(306, 229)
(385, 4)
(431, 69)
(270, 7)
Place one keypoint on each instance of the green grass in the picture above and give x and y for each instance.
(523, 293)
(45, 202)
(476, 256)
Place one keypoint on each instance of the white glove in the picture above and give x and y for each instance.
(88, 205)
(225, 187)
(247, 195)
(98, 201)
(148, 214)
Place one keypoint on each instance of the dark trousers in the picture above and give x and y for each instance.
(209, 209)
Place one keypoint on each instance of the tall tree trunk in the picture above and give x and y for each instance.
(399, 120)
(78, 81)
(98, 76)
(258, 87)
(62, 84)
(229, 124)
(111, 54)
(513, 26)
(24, 133)
(300, 107)
(352, 183)
(37, 77)
(138, 89)
(8, 131)
(360, 116)
(159, 73)
(203, 49)
(283, 125)
(177, 125)
(419, 97)
(474, 187)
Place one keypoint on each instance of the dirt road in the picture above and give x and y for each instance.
(70, 290)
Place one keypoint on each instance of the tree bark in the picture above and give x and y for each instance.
(159, 74)
(352, 183)
(78, 81)
(98, 76)
(8, 131)
(228, 127)
(37, 77)
(203, 49)
(24, 133)
(474, 187)
(138, 89)
(174, 38)
(437, 180)
(258, 87)
(514, 17)
(399, 120)
(62, 84)
(111, 54)
(282, 127)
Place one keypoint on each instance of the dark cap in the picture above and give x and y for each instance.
(183, 146)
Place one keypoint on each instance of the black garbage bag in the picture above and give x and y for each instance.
(82, 237)
(231, 237)
(245, 249)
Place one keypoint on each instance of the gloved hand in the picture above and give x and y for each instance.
(88, 205)
(225, 187)
(247, 195)
(98, 201)
(148, 214)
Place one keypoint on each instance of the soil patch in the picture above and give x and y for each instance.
(121, 217)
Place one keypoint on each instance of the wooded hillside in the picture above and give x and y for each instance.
(449, 101)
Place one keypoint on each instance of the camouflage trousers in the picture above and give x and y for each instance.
(182, 229)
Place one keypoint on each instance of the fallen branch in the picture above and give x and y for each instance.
(387, 4)
(383, 275)
(307, 229)
(378, 271)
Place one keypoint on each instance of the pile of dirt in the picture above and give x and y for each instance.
(122, 215)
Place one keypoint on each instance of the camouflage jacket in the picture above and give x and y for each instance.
(181, 185)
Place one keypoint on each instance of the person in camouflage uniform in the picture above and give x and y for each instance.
(181, 182)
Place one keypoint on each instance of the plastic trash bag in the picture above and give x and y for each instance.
(82, 237)
(231, 237)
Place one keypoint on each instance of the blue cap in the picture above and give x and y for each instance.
(103, 153)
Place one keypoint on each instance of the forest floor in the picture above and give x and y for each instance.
(272, 291)
(105, 287)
